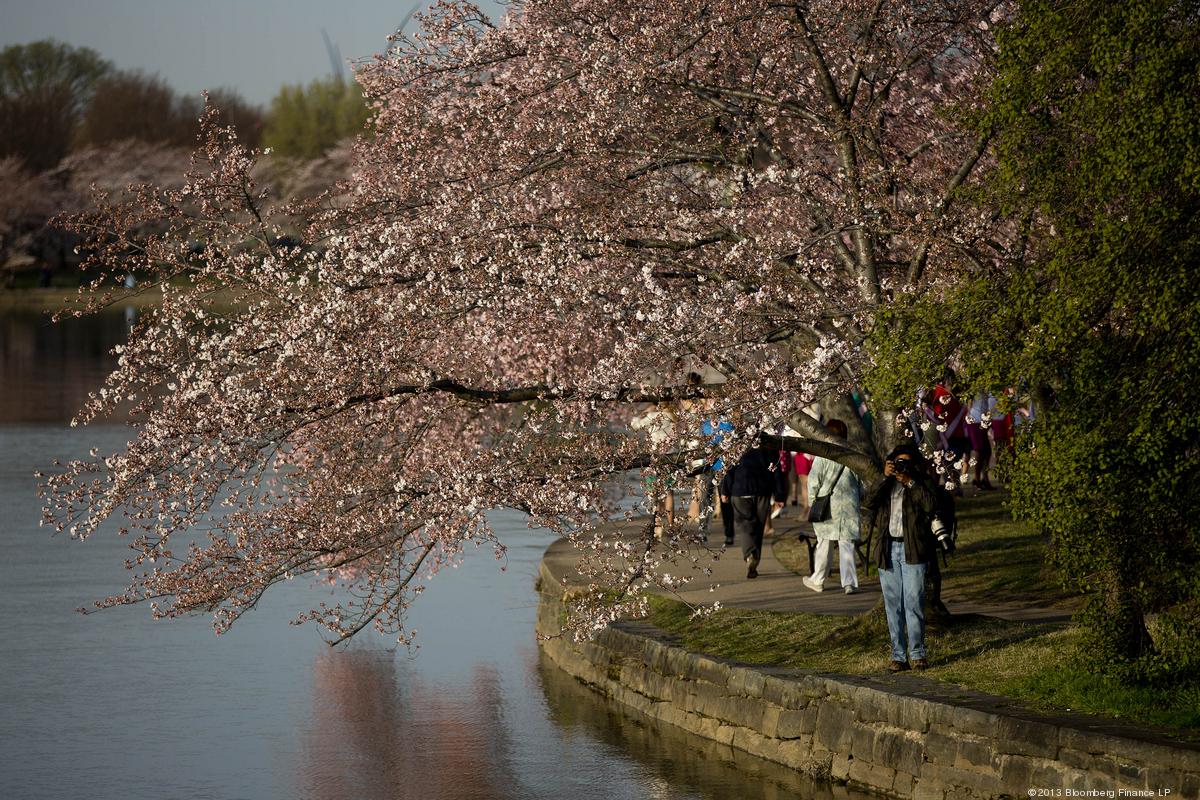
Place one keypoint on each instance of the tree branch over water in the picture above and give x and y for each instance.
(588, 216)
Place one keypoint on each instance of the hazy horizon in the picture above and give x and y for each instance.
(253, 46)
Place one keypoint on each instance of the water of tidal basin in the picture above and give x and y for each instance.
(114, 705)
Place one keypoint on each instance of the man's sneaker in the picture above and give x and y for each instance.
(811, 584)
(752, 571)
(920, 663)
(851, 590)
(729, 542)
(898, 666)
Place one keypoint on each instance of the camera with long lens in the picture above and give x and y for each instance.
(945, 537)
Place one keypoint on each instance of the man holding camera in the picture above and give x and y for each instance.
(900, 510)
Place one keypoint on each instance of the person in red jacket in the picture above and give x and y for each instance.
(949, 414)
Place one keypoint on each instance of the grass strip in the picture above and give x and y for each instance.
(997, 560)
(1032, 663)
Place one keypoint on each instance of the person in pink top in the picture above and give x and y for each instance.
(801, 467)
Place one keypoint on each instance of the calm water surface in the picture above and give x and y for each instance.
(114, 705)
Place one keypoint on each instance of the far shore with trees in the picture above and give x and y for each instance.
(69, 118)
(551, 223)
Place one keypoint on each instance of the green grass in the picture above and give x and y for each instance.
(851, 645)
(57, 298)
(1031, 663)
(792, 553)
(997, 560)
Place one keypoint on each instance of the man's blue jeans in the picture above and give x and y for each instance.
(904, 602)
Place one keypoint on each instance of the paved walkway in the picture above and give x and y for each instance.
(779, 589)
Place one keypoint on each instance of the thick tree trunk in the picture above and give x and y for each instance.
(886, 434)
(1124, 623)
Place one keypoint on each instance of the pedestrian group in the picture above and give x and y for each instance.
(909, 517)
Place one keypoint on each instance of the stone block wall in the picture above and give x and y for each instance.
(902, 735)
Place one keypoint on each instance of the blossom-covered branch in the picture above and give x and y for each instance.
(553, 221)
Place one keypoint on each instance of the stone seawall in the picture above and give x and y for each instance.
(902, 735)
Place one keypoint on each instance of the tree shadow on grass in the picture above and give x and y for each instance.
(997, 634)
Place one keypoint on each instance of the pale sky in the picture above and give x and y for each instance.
(254, 46)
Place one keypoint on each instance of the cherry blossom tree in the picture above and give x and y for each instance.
(26, 202)
(553, 220)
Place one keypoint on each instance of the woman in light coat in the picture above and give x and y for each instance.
(844, 517)
(659, 424)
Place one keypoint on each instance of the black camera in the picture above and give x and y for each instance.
(902, 466)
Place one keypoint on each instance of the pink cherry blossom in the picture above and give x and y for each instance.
(552, 222)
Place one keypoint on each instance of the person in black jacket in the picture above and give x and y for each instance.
(749, 488)
(727, 507)
(900, 510)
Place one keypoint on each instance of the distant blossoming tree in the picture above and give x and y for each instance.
(551, 221)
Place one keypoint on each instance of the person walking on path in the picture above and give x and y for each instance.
(801, 469)
(978, 424)
(715, 430)
(749, 489)
(948, 416)
(727, 515)
(846, 491)
(900, 509)
(658, 423)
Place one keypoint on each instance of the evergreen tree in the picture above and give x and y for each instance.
(1096, 124)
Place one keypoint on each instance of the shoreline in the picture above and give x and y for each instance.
(62, 298)
(900, 735)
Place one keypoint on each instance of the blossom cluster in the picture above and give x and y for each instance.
(553, 221)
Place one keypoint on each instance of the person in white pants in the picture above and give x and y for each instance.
(830, 478)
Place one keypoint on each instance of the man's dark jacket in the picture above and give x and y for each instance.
(920, 502)
(755, 475)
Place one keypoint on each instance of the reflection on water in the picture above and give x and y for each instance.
(377, 736)
(380, 730)
(47, 369)
(680, 760)
(117, 706)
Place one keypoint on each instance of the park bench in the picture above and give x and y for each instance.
(862, 549)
